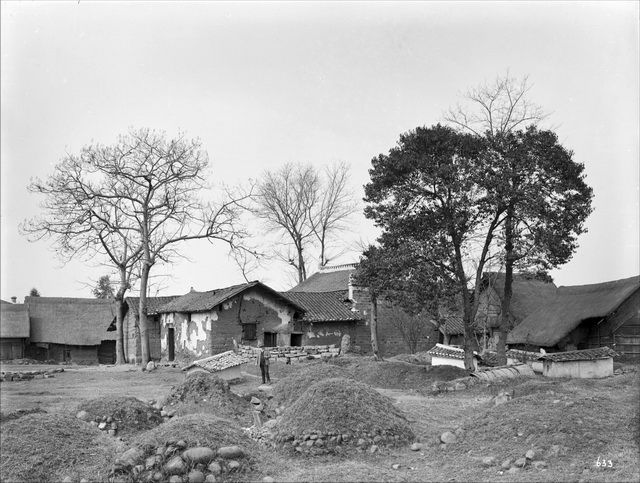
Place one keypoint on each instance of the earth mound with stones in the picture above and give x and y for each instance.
(336, 415)
(121, 416)
(287, 390)
(201, 392)
(50, 447)
(195, 447)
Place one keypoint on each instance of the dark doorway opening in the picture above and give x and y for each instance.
(296, 340)
(270, 339)
(171, 343)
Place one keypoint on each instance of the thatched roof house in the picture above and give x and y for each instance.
(71, 329)
(527, 297)
(586, 316)
(14, 330)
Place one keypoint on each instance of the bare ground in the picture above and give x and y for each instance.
(590, 420)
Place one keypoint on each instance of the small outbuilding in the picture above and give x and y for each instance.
(14, 330)
(227, 365)
(583, 364)
(446, 355)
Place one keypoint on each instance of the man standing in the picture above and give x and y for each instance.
(262, 360)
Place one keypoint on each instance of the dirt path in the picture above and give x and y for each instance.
(77, 383)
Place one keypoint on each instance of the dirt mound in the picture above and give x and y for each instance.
(206, 393)
(19, 413)
(290, 388)
(195, 430)
(552, 423)
(396, 374)
(419, 358)
(127, 415)
(48, 447)
(339, 413)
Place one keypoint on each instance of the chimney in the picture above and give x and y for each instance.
(350, 286)
(14, 300)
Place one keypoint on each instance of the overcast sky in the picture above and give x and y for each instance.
(272, 82)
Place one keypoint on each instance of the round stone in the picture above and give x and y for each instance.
(448, 437)
(196, 477)
(175, 466)
(200, 454)
(214, 468)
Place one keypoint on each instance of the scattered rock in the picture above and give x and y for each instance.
(175, 466)
(233, 465)
(151, 366)
(373, 448)
(270, 424)
(448, 438)
(67, 479)
(539, 465)
(214, 468)
(530, 455)
(132, 456)
(199, 454)
(488, 461)
(416, 447)
(210, 479)
(513, 470)
(520, 462)
(230, 452)
(196, 477)
(500, 399)
(175, 479)
(255, 400)
(82, 415)
(506, 464)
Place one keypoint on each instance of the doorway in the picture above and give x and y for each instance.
(296, 340)
(270, 339)
(171, 343)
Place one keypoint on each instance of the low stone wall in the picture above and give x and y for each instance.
(291, 353)
(8, 376)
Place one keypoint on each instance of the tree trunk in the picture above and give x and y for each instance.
(505, 322)
(120, 357)
(121, 309)
(144, 329)
(374, 326)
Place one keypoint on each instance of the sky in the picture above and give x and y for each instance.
(262, 84)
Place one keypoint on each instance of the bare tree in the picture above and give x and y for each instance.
(84, 221)
(410, 326)
(147, 187)
(308, 208)
(497, 108)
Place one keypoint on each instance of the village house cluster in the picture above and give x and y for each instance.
(319, 312)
